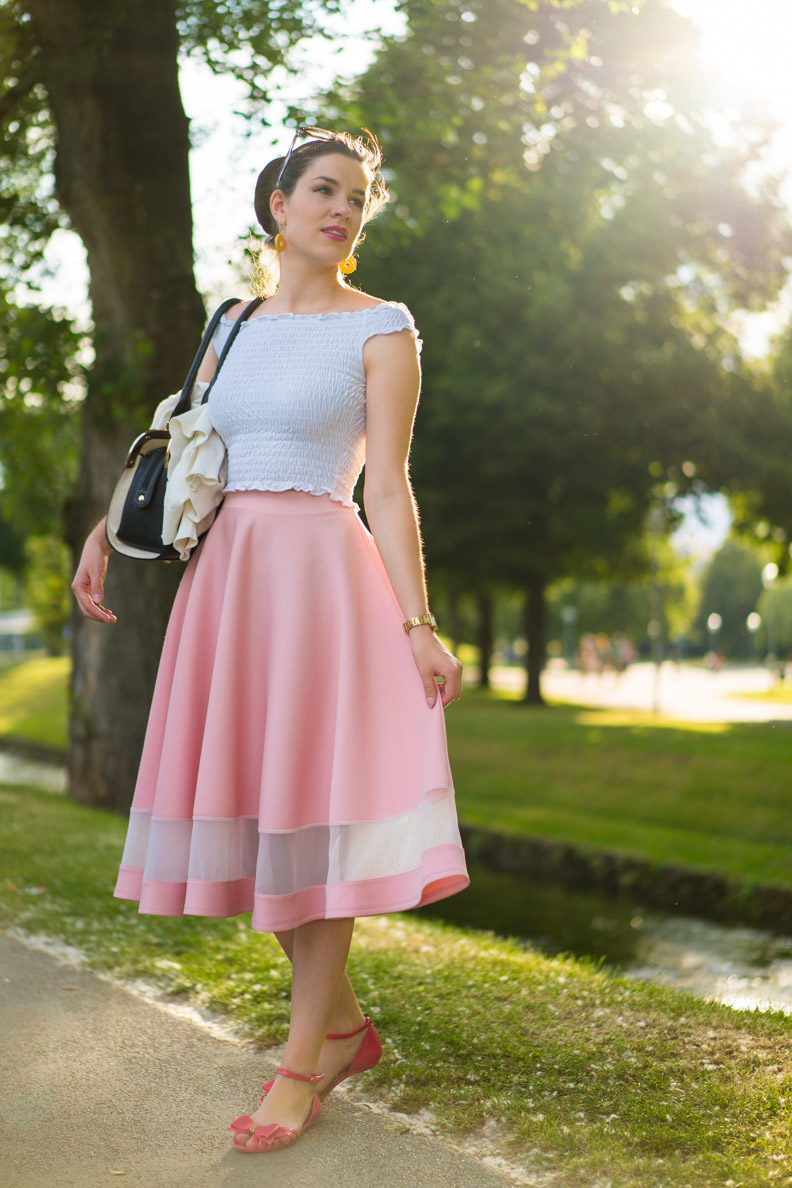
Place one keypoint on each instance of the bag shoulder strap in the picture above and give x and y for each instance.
(250, 308)
(183, 403)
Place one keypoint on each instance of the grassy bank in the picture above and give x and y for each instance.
(708, 796)
(780, 694)
(33, 700)
(600, 1079)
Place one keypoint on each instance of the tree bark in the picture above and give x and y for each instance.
(534, 632)
(110, 69)
(485, 638)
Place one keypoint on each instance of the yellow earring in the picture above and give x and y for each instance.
(279, 243)
(349, 265)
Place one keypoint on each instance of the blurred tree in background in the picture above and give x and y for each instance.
(731, 586)
(47, 589)
(625, 606)
(758, 455)
(571, 239)
(40, 408)
(775, 608)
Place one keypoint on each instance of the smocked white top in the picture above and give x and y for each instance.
(290, 399)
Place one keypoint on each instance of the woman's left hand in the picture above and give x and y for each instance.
(439, 669)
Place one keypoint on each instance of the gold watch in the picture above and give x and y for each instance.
(419, 620)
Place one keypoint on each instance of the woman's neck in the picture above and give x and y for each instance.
(306, 289)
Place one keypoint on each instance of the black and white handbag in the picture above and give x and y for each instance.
(135, 516)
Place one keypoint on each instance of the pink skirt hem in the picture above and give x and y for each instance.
(439, 877)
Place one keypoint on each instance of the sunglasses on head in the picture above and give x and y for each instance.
(312, 134)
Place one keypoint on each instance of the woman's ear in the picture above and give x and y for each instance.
(277, 205)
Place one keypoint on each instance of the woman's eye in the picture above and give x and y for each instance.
(325, 189)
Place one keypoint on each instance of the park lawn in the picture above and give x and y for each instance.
(780, 694)
(33, 700)
(567, 1068)
(710, 796)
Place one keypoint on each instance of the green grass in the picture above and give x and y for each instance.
(710, 796)
(600, 1079)
(33, 700)
(780, 694)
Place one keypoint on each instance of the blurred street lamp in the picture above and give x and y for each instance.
(752, 623)
(714, 624)
(569, 616)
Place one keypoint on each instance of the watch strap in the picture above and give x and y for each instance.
(419, 621)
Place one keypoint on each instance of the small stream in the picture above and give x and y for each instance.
(15, 769)
(742, 967)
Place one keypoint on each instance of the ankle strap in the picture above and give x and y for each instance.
(348, 1034)
(287, 1072)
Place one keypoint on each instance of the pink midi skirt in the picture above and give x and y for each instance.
(291, 766)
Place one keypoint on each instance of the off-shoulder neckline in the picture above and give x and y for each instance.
(330, 313)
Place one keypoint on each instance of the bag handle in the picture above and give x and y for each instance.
(183, 404)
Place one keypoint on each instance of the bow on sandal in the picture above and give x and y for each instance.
(273, 1136)
(367, 1055)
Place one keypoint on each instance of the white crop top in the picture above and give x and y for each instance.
(290, 399)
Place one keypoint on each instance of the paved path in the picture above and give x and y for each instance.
(681, 691)
(99, 1087)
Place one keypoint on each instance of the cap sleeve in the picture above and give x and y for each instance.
(390, 316)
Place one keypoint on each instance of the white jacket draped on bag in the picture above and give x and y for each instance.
(197, 471)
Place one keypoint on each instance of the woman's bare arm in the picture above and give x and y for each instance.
(88, 583)
(208, 366)
(393, 381)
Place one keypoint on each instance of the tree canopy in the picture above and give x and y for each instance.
(572, 237)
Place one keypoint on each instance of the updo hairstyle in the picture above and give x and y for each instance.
(360, 148)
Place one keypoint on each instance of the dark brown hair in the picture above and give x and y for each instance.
(360, 148)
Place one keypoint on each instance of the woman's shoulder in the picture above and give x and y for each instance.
(380, 304)
(235, 311)
(375, 304)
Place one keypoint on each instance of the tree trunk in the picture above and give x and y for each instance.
(485, 639)
(110, 68)
(534, 632)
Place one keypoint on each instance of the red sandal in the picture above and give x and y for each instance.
(366, 1057)
(273, 1136)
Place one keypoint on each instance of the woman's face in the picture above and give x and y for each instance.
(324, 214)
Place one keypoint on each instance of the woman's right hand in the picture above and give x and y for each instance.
(88, 584)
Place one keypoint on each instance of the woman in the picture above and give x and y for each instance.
(295, 760)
